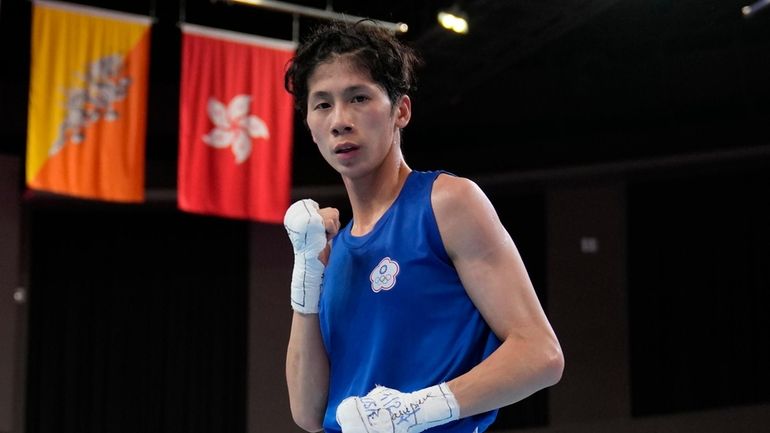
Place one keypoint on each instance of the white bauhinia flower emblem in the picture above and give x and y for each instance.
(234, 127)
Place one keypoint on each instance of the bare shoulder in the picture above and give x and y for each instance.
(450, 192)
(464, 214)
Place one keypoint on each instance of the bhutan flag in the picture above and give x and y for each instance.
(87, 102)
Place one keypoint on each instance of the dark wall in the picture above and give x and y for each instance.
(699, 290)
(587, 292)
(271, 258)
(11, 306)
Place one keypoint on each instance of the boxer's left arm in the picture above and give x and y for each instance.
(495, 278)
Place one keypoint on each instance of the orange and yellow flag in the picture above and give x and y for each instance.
(87, 102)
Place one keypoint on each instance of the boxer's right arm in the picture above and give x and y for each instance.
(307, 366)
(307, 372)
(305, 228)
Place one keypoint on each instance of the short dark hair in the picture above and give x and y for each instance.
(390, 62)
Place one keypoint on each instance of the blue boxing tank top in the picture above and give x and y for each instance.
(393, 310)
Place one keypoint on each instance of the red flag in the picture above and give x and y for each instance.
(236, 125)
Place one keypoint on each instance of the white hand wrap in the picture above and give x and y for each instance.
(308, 237)
(386, 410)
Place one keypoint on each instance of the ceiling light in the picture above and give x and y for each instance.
(752, 9)
(453, 20)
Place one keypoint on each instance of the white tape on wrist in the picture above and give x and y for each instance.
(386, 410)
(308, 238)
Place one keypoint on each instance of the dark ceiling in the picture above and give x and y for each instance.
(535, 84)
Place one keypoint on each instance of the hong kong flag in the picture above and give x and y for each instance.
(235, 127)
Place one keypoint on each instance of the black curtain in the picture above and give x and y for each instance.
(699, 292)
(137, 320)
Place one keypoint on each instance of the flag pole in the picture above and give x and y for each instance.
(317, 13)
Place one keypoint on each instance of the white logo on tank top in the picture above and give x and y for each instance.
(383, 276)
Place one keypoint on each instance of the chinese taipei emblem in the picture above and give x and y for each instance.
(383, 276)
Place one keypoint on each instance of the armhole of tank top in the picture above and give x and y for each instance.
(437, 242)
